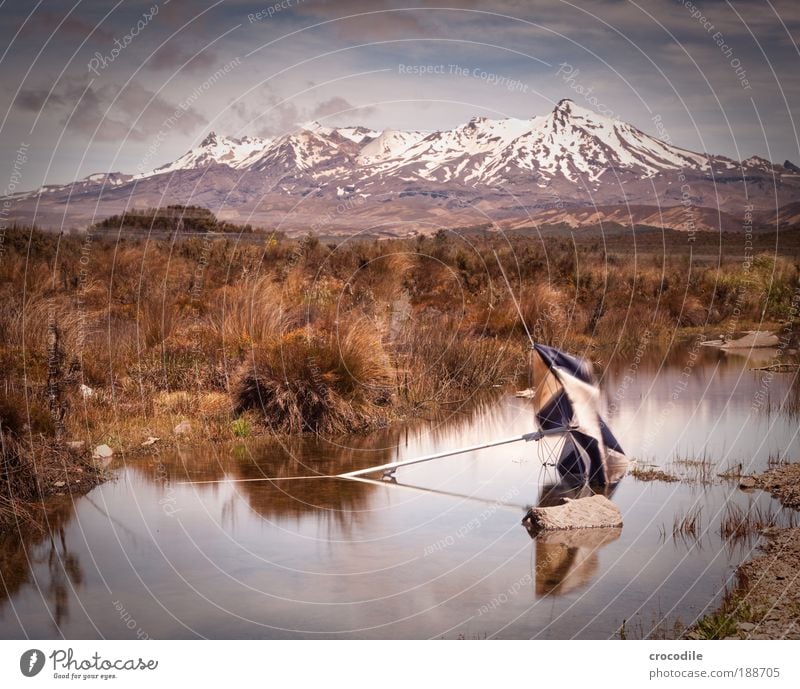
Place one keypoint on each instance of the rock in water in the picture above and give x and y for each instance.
(747, 482)
(585, 513)
(102, 452)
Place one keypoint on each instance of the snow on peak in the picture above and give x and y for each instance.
(571, 141)
(758, 162)
(210, 140)
(389, 144)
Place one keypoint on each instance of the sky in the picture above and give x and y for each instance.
(123, 85)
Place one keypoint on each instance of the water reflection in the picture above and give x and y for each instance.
(42, 544)
(568, 560)
(333, 558)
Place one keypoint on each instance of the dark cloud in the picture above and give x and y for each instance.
(339, 106)
(34, 99)
(268, 115)
(43, 23)
(173, 56)
(109, 113)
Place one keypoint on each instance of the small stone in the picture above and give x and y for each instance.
(182, 428)
(747, 482)
(86, 391)
(102, 452)
(151, 440)
(60, 484)
(76, 444)
(745, 626)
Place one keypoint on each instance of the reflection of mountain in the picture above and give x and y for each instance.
(41, 548)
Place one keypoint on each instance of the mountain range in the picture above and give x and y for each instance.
(570, 168)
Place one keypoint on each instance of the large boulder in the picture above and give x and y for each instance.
(594, 512)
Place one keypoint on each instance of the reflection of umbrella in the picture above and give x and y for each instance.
(566, 396)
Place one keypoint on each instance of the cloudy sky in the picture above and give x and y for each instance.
(97, 86)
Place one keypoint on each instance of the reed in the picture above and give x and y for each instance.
(739, 523)
(689, 525)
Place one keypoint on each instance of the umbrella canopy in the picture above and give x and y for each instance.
(566, 396)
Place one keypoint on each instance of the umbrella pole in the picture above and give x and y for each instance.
(390, 468)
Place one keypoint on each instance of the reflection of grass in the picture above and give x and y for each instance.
(738, 523)
(776, 460)
(688, 525)
(696, 470)
(733, 472)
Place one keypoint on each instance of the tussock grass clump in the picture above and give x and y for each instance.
(440, 364)
(318, 382)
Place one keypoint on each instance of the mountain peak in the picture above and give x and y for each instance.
(567, 109)
(210, 140)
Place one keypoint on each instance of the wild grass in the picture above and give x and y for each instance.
(722, 622)
(739, 524)
(296, 336)
(33, 469)
(689, 525)
(700, 470)
(647, 472)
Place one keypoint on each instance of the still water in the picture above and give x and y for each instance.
(441, 555)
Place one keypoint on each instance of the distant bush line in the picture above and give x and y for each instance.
(172, 218)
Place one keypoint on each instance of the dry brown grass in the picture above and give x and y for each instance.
(652, 473)
(318, 382)
(739, 523)
(304, 336)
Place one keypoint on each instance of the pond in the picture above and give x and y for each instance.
(440, 554)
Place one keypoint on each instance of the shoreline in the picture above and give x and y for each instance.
(765, 601)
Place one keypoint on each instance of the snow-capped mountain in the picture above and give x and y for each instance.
(215, 150)
(483, 171)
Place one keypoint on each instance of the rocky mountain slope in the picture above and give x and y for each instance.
(570, 168)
